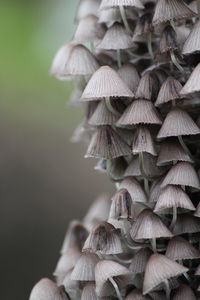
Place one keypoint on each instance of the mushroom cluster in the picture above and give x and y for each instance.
(136, 66)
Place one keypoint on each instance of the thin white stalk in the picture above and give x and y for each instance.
(108, 166)
(154, 246)
(124, 19)
(174, 219)
(110, 107)
(149, 45)
(119, 296)
(119, 58)
(175, 62)
(167, 289)
(180, 138)
(146, 186)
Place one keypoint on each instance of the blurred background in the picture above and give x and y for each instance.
(44, 179)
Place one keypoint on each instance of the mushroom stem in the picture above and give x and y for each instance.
(174, 217)
(167, 289)
(175, 62)
(119, 296)
(108, 166)
(146, 186)
(149, 45)
(119, 58)
(154, 246)
(141, 164)
(110, 107)
(117, 184)
(124, 19)
(180, 138)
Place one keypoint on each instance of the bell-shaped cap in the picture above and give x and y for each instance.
(144, 25)
(178, 122)
(197, 212)
(86, 8)
(66, 262)
(192, 44)
(133, 169)
(46, 289)
(148, 87)
(122, 206)
(148, 226)
(169, 91)
(99, 210)
(140, 112)
(192, 85)
(107, 143)
(171, 10)
(105, 82)
(75, 237)
(89, 29)
(81, 62)
(172, 196)
(179, 249)
(109, 16)
(155, 191)
(150, 167)
(158, 269)
(134, 188)
(105, 239)
(188, 224)
(102, 116)
(143, 141)
(182, 173)
(89, 292)
(172, 151)
(105, 4)
(60, 60)
(168, 41)
(106, 269)
(139, 261)
(130, 76)
(84, 268)
(137, 295)
(71, 286)
(184, 292)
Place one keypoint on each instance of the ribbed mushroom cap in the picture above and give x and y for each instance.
(99, 210)
(60, 60)
(143, 141)
(148, 87)
(116, 37)
(105, 82)
(106, 269)
(134, 188)
(71, 286)
(158, 269)
(197, 212)
(150, 167)
(89, 29)
(121, 205)
(67, 261)
(168, 41)
(178, 248)
(182, 173)
(137, 295)
(87, 7)
(81, 62)
(102, 116)
(144, 25)
(184, 292)
(178, 122)
(171, 10)
(170, 90)
(148, 226)
(75, 237)
(188, 224)
(133, 168)
(107, 143)
(173, 196)
(139, 261)
(89, 292)
(192, 44)
(130, 76)
(109, 16)
(45, 289)
(140, 112)
(197, 273)
(84, 268)
(105, 239)
(105, 4)
(172, 151)
(155, 191)
(192, 85)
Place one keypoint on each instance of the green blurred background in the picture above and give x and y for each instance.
(44, 179)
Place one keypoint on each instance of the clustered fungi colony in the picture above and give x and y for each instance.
(136, 67)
